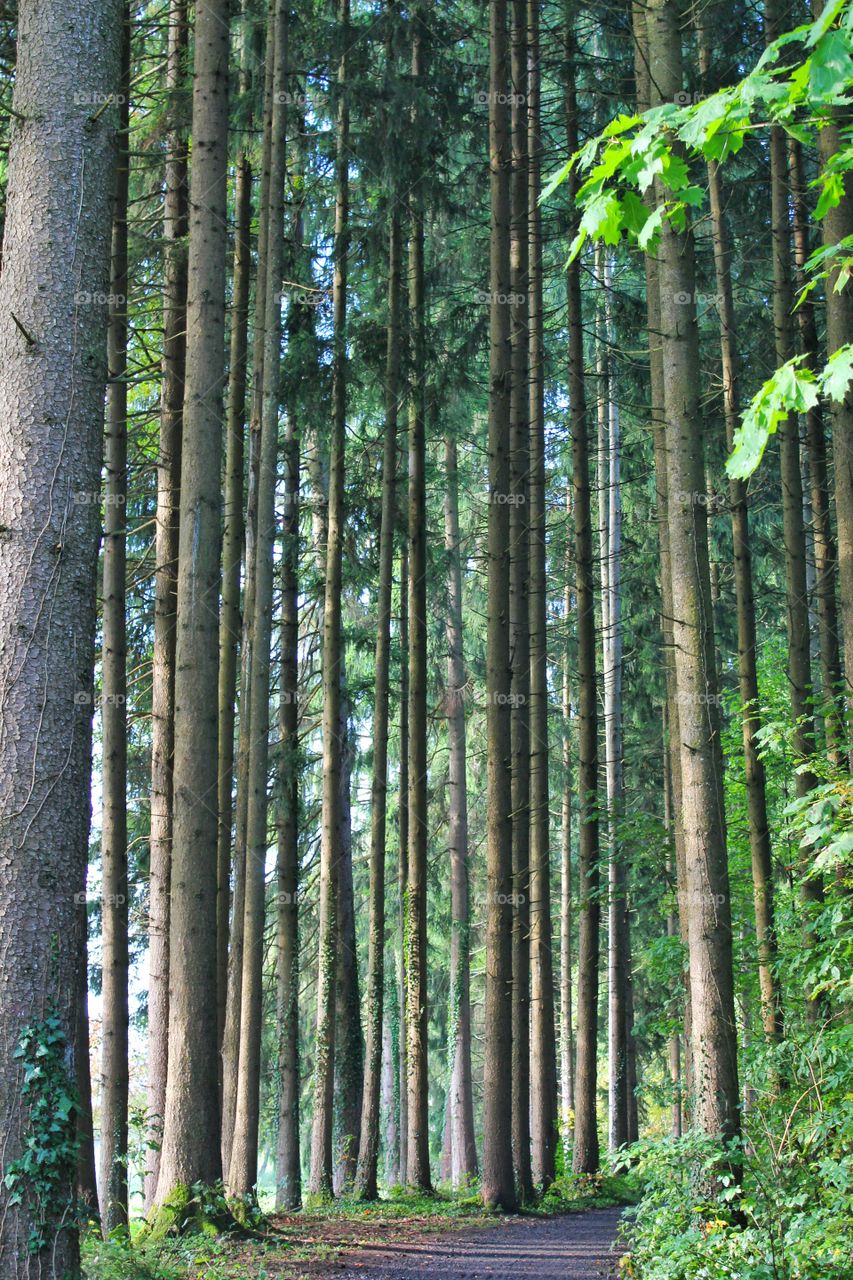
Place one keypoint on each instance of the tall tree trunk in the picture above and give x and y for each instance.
(51, 424)
(288, 1177)
(233, 995)
(519, 620)
(243, 1164)
(417, 1163)
(191, 1150)
(366, 1174)
(543, 1056)
(321, 1171)
(610, 502)
(173, 364)
(715, 1083)
(759, 830)
(498, 1186)
(649, 94)
(288, 1170)
(114, 886)
(585, 1156)
(233, 532)
(463, 1149)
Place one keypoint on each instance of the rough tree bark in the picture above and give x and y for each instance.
(191, 1134)
(52, 342)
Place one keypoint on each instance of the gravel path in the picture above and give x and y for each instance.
(573, 1247)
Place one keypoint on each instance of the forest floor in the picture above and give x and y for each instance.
(571, 1246)
(407, 1237)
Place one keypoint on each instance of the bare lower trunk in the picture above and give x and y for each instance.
(403, 856)
(567, 1045)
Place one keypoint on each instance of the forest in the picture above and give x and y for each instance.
(426, 638)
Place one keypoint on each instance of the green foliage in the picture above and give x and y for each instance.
(637, 160)
(41, 1178)
(572, 1193)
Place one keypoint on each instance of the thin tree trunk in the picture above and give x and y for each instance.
(233, 537)
(498, 1186)
(519, 620)
(585, 1158)
(243, 1164)
(114, 886)
(87, 1182)
(417, 1164)
(191, 1151)
(321, 1170)
(403, 854)
(543, 1055)
(674, 1046)
(463, 1150)
(610, 502)
(173, 364)
(366, 1175)
(715, 1082)
(567, 1045)
(51, 428)
(233, 997)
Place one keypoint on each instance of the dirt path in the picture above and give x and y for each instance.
(573, 1247)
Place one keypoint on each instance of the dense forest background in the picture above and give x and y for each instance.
(441, 780)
